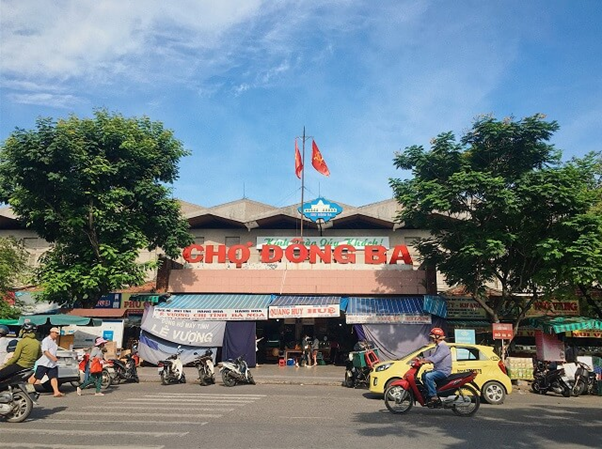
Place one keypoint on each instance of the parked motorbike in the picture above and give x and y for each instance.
(457, 392)
(17, 396)
(171, 370)
(357, 373)
(584, 381)
(205, 367)
(125, 371)
(236, 371)
(546, 379)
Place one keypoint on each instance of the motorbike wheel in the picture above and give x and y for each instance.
(164, 378)
(117, 379)
(536, 387)
(398, 400)
(250, 378)
(182, 379)
(493, 393)
(348, 382)
(466, 408)
(107, 380)
(22, 408)
(228, 379)
(566, 391)
(579, 388)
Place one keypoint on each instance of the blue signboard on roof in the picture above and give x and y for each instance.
(320, 209)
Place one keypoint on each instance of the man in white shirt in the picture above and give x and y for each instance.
(47, 364)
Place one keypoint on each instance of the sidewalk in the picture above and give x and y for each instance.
(267, 374)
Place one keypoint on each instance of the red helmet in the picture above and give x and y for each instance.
(437, 332)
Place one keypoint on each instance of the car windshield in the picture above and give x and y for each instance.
(416, 352)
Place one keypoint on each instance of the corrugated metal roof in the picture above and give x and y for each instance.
(208, 302)
(385, 306)
(305, 300)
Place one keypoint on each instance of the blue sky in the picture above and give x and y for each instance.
(237, 80)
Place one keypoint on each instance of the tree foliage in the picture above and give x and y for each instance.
(13, 272)
(97, 190)
(501, 206)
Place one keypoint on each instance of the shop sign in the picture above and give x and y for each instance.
(321, 242)
(134, 307)
(388, 319)
(555, 307)
(464, 309)
(297, 253)
(304, 311)
(110, 301)
(320, 210)
(525, 332)
(183, 331)
(212, 314)
(586, 334)
(465, 336)
(503, 331)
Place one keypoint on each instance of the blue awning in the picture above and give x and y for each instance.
(389, 306)
(435, 305)
(394, 310)
(216, 302)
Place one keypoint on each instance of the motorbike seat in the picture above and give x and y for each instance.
(451, 377)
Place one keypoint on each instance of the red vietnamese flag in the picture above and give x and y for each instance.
(317, 160)
(298, 161)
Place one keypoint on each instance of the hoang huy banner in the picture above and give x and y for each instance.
(184, 331)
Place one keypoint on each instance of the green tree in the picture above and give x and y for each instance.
(13, 271)
(574, 259)
(498, 205)
(97, 190)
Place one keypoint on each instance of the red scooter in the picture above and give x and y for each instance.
(457, 391)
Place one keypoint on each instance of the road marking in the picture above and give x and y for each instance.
(72, 446)
(92, 421)
(137, 407)
(101, 433)
(209, 394)
(113, 413)
(197, 401)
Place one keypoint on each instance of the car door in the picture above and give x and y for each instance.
(466, 358)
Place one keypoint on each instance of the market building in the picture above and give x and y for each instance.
(352, 274)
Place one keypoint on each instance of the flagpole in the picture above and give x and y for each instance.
(302, 179)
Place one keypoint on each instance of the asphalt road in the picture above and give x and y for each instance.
(149, 415)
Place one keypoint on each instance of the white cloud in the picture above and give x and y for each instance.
(60, 101)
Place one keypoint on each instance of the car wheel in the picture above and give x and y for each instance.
(493, 393)
(389, 382)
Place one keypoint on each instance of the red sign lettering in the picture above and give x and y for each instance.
(295, 253)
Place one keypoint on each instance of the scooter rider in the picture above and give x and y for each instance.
(442, 365)
(26, 353)
(4, 340)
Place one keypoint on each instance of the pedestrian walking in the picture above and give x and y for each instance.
(47, 364)
(96, 362)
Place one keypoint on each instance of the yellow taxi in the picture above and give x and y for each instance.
(492, 377)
